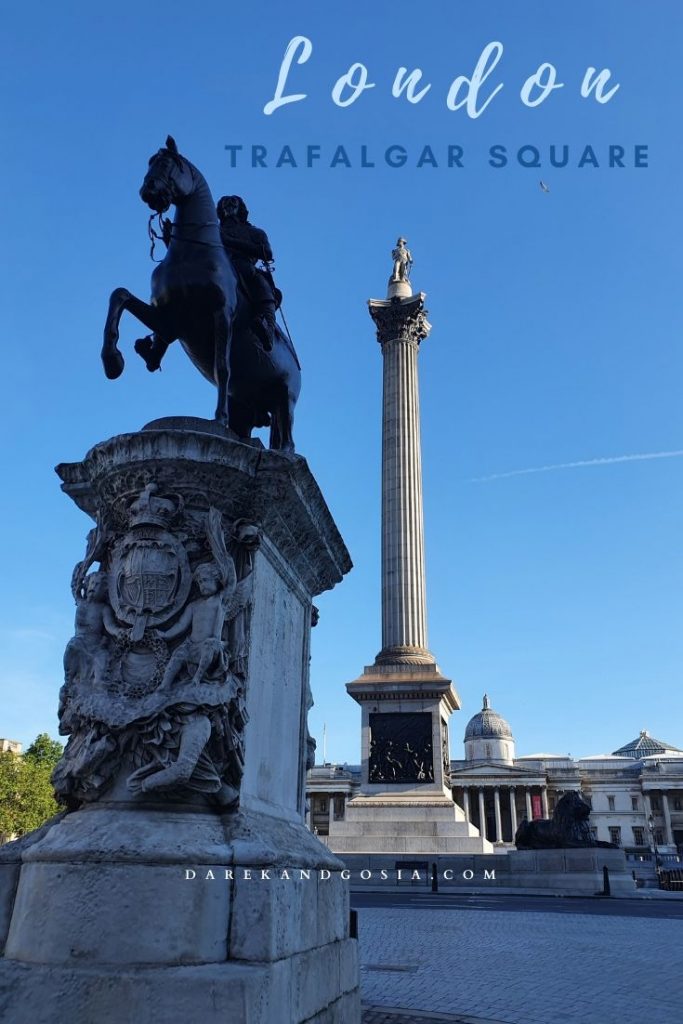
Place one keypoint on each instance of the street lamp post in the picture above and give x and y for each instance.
(653, 837)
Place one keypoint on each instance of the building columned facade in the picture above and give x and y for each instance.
(635, 793)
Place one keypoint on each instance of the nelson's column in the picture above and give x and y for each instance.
(405, 803)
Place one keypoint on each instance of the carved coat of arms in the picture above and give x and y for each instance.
(150, 576)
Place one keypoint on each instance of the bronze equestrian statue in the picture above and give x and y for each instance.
(197, 299)
(246, 246)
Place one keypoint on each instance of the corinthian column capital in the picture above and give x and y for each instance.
(400, 320)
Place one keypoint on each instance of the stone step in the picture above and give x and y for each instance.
(407, 845)
(406, 811)
(406, 828)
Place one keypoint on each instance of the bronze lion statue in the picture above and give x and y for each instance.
(568, 827)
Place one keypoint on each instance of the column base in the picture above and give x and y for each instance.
(389, 824)
(405, 655)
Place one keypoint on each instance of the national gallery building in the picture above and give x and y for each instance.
(636, 792)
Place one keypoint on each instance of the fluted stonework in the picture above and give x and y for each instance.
(401, 326)
(405, 805)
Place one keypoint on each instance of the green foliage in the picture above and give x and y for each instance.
(44, 751)
(26, 797)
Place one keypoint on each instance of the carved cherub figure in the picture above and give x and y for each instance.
(221, 597)
(86, 654)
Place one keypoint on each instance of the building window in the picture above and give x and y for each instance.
(634, 803)
(551, 804)
(656, 806)
(488, 749)
(338, 808)
(659, 837)
(638, 836)
(320, 804)
(615, 835)
(610, 803)
(678, 804)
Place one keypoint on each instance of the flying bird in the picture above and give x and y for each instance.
(544, 187)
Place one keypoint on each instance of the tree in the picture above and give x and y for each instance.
(26, 796)
(44, 751)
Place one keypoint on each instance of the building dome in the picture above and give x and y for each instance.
(488, 736)
(645, 746)
(488, 723)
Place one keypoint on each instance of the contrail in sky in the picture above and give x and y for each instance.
(608, 461)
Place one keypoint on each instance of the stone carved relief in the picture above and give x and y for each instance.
(445, 755)
(401, 747)
(310, 744)
(155, 674)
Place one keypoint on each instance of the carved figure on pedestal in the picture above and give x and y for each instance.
(246, 539)
(196, 300)
(87, 653)
(174, 712)
(221, 598)
(393, 756)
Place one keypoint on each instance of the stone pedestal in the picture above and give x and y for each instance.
(571, 872)
(405, 805)
(184, 885)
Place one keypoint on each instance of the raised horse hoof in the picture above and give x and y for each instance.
(145, 349)
(113, 363)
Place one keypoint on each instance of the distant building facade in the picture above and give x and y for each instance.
(13, 746)
(636, 793)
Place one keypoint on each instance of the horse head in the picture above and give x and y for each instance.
(169, 180)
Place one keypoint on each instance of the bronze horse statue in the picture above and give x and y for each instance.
(197, 300)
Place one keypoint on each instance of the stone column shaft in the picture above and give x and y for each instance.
(668, 835)
(404, 616)
(529, 811)
(499, 820)
(513, 812)
(466, 802)
(401, 325)
(544, 801)
(482, 815)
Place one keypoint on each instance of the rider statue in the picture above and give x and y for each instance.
(246, 245)
(402, 261)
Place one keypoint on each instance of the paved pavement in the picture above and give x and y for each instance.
(385, 1015)
(636, 907)
(519, 965)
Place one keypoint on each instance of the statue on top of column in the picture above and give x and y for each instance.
(403, 261)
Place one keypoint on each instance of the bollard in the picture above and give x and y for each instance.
(606, 890)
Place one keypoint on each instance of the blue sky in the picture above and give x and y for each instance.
(556, 329)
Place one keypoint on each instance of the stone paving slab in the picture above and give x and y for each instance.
(389, 1015)
(519, 967)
